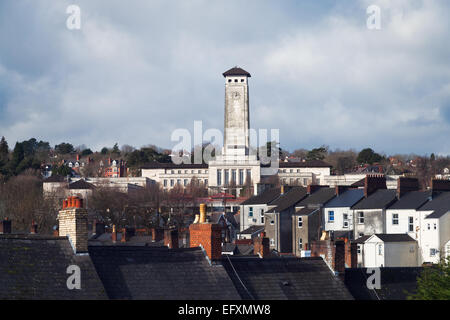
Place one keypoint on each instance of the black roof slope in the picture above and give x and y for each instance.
(159, 273)
(285, 278)
(264, 198)
(380, 199)
(288, 199)
(236, 71)
(396, 283)
(320, 197)
(412, 200)
(394, 237)
(35, 267)
(440, 206)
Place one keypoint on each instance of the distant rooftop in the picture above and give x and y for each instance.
(236, 71)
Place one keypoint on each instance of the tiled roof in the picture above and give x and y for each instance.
(264, 198)
(284, 278)
(346, 199)
(160, 273)
(35, 267)
(412, 200)
(81, 185)
(288, 199)
(380, 199)
(236, 71)
(318, 198)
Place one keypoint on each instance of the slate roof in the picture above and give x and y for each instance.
(380, 199)
(171, 165)
(439, 204)
(412, 200)
(81, 185)
(396, 283)
(35, 267)
(320, 197)
(362, 239)
(236, 71)
(288, 199)
(252, 230)
(305, 211)
(284, 278)
(264, 198)
(394, 237)
(346, 199)
(238, 249)
(160, 273)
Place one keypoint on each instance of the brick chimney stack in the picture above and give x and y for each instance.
(405, 185)
(5, 226)
(311, 188)
(34, 228)
(73, 223)
(124, 235)
(208, 235)
(261, 245)
(374, 182)
(157, 234)
(171, 238)
(438, 185)
(341, 189)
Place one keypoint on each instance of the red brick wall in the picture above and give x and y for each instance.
(209, 236)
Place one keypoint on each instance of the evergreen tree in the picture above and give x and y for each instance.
(4, 150)
(434, 283)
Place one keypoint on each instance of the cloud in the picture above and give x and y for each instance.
(138, 70)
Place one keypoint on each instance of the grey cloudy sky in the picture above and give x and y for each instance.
(137, 70)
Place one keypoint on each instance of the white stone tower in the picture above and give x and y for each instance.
(236, 128)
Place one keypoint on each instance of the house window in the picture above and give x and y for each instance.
(432, 252)
(300, 243)
(185, 182)
(233, 176)
(179, 171)
(219, 177)
(179, 181)
(171, 182)
(249, 175)
(361, 217)
(300, 222)
(305, 182)
(435, 226)
(411, 249)
(165, 182)
(272, 242)
(330, 216)
(395, 218)
(241, 177)
(272, 222)
(380, 249)
(428, 226)
(359, 249)
(227, 176)
(250, 212)
(262, 215)
(206, 182)
(411, 224)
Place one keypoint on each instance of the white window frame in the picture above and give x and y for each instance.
(300, 222)
(395, 219)
(360, 217)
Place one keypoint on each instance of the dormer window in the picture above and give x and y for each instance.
(242, 80)
(229, 80)
(235, 80)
